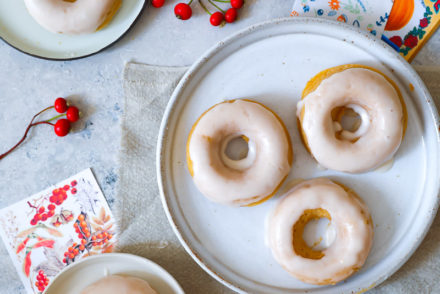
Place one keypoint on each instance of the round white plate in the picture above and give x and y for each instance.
(21, 31)
(271, 63)
(77, 276)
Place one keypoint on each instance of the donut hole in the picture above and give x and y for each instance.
(350, 122)
(237, 152)
(313, 233)
(237, 148)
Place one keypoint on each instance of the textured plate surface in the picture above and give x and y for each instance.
(271, 63)
(20, 30)
(74, 278)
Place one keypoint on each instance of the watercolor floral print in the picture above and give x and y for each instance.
(54, 228)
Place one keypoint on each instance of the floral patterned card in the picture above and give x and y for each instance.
(410, 25)
(51, 229)
(369, 15)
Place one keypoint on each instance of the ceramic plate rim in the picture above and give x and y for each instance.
(162, 138)
(144, 5)
(141, 259)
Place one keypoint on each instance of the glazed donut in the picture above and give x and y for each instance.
(369, 93)
(314, 199)
(72, 16)
(247, 181)
(119, 284)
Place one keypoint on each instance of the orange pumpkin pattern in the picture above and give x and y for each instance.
(400, 14)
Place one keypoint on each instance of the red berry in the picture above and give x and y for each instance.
(66, 188)
(72, 114)
(231, 15)
(73, 191)
(52, 199)
(41, 272)
(60, 105)
(73, 183)
(182, 11)
(44, 217)
(33, 222)
(50, 213)
(41, 209)
(64, 260)
(37, 216)
(51, 207)
(58, 202)
(216, 18)
(62, 127)
(157, 3)
(237, 3)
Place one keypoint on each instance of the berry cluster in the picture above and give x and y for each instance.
(61, 127)
(42, 281)
(183, 11)
(87, 240)
(42, 214)
(59, 195)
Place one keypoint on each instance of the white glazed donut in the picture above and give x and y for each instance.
(119, 284)
(375, 98)
(314, 199)
(248, 181)
(72, 16)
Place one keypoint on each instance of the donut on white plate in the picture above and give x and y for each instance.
(349, 217)
(73, 17)
(360, 89)
(249, 180)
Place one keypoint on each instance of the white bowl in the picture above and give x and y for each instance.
(77, 276)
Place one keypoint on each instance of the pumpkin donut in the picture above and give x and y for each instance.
(73, 17)
(363, 90)
(314, 199)
(252, 179)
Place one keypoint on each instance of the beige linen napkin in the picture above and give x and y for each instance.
(144, 228)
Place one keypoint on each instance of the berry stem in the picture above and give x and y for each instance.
(42, 122)
(31, 205)
(189, 3)
(55, 117)
(204, 7)
(215, 5)
(47, 108)
(31, 124)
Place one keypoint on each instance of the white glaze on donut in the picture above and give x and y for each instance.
(120, 285)
(349, 217)
(379, 106)
(79, 17)
(252, 178)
